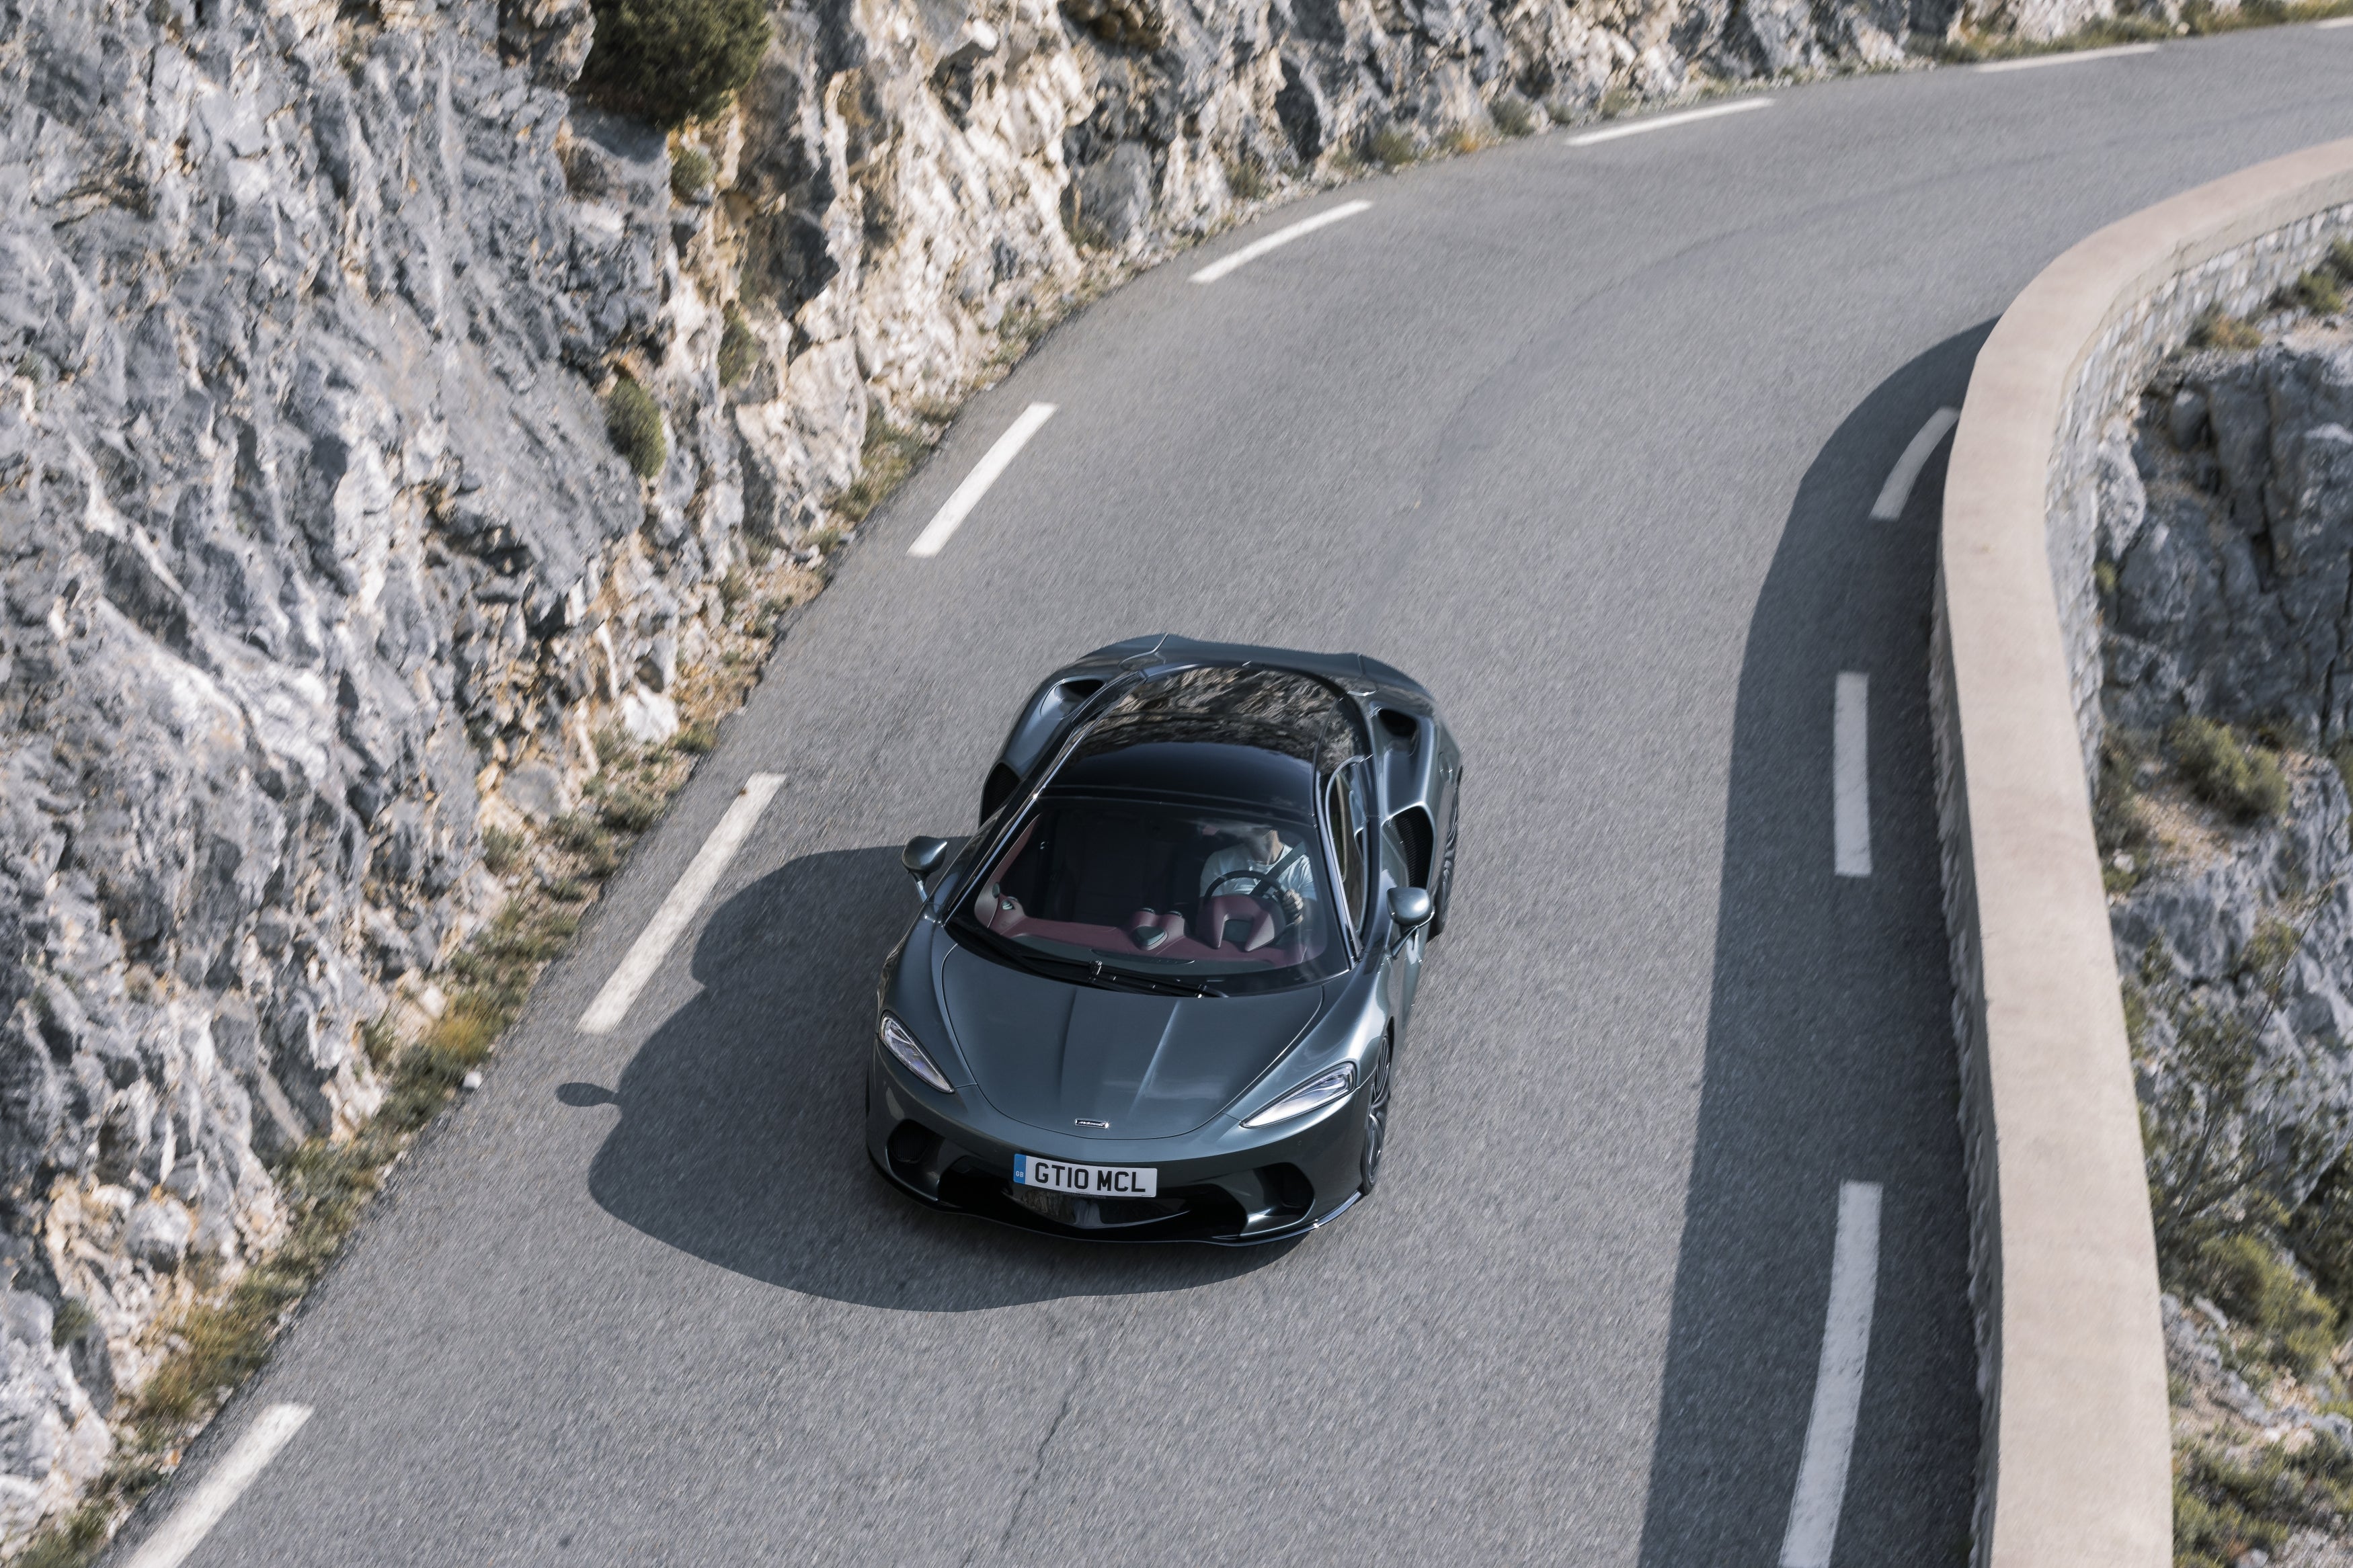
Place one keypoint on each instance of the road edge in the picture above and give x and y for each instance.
(2074, 1466)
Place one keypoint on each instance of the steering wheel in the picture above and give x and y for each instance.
(1264, 885)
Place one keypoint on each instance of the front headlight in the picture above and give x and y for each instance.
(1313, 1095)
(900, 1042)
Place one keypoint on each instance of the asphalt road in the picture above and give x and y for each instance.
(1584, 437)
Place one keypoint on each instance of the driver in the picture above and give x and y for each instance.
(1261, 850)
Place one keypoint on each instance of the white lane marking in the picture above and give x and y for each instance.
(1838, 1384)
(669, 922)
(1258, 247)
(1851, 775)
(1907, 472)
(238, 1468)
(2068, 58)
(985, 473)
(2333, 22)
(1665, 122)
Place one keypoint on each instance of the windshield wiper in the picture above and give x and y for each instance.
(1086, 972)
(1127, 979)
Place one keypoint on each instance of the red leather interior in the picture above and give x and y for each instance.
(1229, 907)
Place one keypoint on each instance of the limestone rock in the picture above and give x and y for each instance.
(316, 557)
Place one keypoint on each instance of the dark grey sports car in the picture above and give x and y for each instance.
(1158, 997)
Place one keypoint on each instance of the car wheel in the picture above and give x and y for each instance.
(1376, 1120)
(1446, 865)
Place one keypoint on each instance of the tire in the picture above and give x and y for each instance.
(1377, 1123)
(1446, 866)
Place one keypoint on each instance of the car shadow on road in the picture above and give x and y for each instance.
(741, 1138)
(1829, 1053)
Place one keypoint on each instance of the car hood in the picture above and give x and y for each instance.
(1045, 1052)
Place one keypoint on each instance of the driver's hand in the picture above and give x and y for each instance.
(1294, 908)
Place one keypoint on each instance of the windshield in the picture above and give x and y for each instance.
(1204, 897)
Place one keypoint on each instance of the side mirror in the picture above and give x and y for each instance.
(922, 856)
(1410, 907)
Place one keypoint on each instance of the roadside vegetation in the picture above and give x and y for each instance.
(2198, 20)
(669, 61)
(553, 875)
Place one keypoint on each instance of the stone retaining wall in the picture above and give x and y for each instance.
(2076, 1466)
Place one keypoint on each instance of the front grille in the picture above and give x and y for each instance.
(1093, 1214)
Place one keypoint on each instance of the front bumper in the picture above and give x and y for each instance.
(1268, 1186)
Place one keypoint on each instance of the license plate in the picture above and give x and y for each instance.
(1096, 1181)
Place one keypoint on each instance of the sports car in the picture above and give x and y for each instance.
(1159, 994)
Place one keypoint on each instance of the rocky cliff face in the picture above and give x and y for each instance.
(2227, 517)
(2225, 559)
(2226, 551)
(316, 560)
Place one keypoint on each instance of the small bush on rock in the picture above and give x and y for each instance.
(73, 1320)
(690, 171)
(2218, 330)
(1515, 116)
(2321, 1232)
(737, 348)
(2230, 1506)
(2318, 292)
(2245, 781)
(670, 61)
(502, 850)
(2339, 264)
(1246, 177)
(2119, 821)
(636, 426)
(2247, 1279)
(1392, 147)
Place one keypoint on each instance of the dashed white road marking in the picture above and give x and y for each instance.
(2070, 58)
(1281, 236)
(1666, 122)
(1851, 775)
(985, 473)
(2333, 22)
(669, 922)
(1907, 472)
(1838, 1384)
(238, 1468)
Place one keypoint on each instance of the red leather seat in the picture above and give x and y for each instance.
(1225, 907)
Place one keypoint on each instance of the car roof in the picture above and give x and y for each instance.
(1344, 668)
(1285, 712)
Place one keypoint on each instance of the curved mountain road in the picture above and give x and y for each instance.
(1588, 438)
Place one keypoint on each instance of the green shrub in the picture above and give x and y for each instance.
(636, 426)
(630, 810)
(1392, 147)
(2321, 1232)
(2339, 264)
(502, 850)
(73, 1320)
(738, 349)
(2217, 329)
(2247, 1279)
(1514, 115)
(670, 61)
(690, 171)
(2318, 292)
(888, 456)
(2119, 821)
(69, 1543)
(1246, 176)
(2226, 1505)
(2245, 781)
